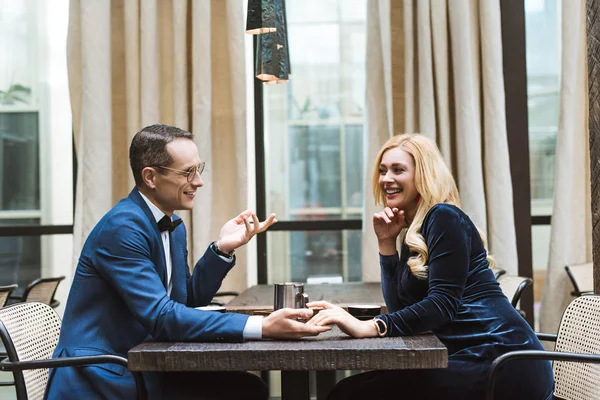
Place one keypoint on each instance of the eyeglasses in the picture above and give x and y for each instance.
(190, 173)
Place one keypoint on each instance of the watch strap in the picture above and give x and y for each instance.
(381, 326)
(218, 251)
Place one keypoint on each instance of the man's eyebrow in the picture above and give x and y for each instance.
(192, 166)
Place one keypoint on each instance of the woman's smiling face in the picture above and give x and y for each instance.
(397, 180)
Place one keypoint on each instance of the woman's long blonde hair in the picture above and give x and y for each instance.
(434, 183)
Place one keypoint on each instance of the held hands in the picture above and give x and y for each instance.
(332, 314)
(238, 231)
(284, 324)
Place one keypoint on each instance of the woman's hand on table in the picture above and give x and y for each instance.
(331, 314)
(284, 324)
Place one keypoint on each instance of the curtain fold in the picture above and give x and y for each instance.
(378, 120)
(445, 67)
(571, 234)
(133, 63)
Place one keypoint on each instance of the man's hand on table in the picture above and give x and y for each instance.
(284, 324)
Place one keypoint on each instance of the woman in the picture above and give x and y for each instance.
(441, 283)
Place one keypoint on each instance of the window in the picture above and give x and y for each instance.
(543, 87)
(543, 44)
(36, 178)
(313, 128)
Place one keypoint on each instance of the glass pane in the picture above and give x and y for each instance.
(19, 169)
(20, 260)
(353, 170)
(314, 123)
(314, 167)
(18, 34)
(299, 11)
(36, 166)
(314, 88)
(323, 255)
(539, 246)
(353, 10)
(542, 20)
(353, 71)
(313, 140)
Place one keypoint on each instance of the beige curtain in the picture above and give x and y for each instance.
(571, 235)
(133, 63)
(435, 67)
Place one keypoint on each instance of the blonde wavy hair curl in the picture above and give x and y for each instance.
(435, 184)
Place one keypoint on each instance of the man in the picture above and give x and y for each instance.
(133, 284)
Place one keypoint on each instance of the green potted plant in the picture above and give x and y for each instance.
(16, 93)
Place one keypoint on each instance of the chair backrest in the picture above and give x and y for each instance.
(29, 331)
(582, 278)
(578, 333)
(512, 286)
(42, 290)
(5, 291)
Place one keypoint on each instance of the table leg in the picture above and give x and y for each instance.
(326, 380)
(294, 385)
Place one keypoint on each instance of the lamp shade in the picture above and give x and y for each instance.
(261, 17)
(270, 65)
(272, 52)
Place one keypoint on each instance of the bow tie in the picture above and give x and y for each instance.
(165, 223)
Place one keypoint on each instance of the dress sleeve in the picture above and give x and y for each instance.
(390, 265)
(448, 241)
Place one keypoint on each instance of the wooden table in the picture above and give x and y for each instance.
(330, 351)
(258, 300)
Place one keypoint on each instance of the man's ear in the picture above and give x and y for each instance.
(149, 177)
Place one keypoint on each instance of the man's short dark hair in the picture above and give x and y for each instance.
(149, 148)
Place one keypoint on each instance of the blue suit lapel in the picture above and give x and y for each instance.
(159, 259)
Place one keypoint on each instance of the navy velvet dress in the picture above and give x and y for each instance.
(462, 303)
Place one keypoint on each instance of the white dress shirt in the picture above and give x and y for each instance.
(253, 327)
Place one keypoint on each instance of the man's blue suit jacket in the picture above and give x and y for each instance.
(119, 299)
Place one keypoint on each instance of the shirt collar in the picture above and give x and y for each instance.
(156, 212)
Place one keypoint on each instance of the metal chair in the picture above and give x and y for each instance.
(513, 286)
(5, 292)
(582, 278)
(575, 354)
(42, 290)
(30, 334)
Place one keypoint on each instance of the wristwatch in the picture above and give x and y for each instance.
(218, 251)
(381, 327)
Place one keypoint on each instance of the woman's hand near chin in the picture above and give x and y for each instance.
(387, 225)
(331, 314)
